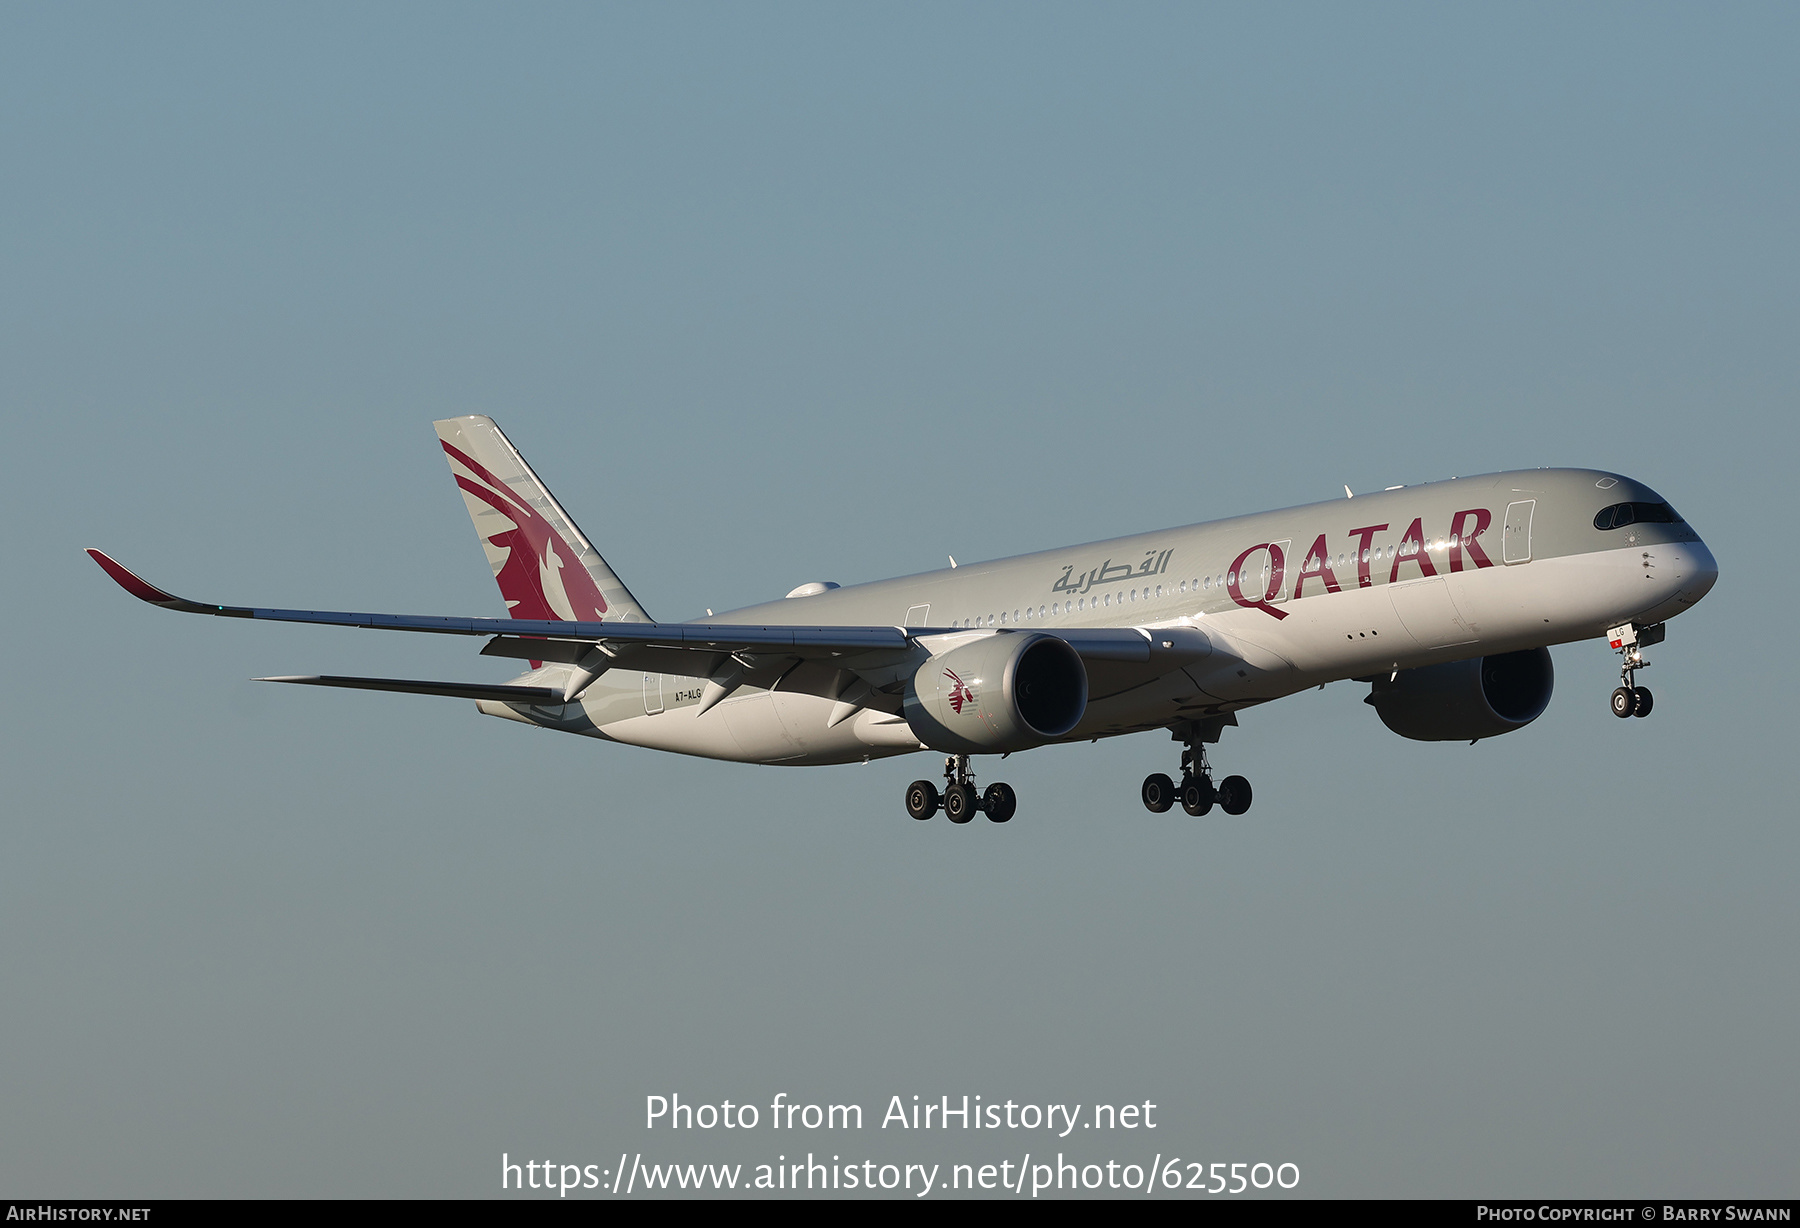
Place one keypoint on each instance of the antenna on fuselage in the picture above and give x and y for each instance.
(1347, 493)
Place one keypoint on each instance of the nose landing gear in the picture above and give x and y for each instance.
(1630, 640)
(960, 802)
(1197, 793)
(1632, 701)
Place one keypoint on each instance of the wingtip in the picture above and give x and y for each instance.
(136, 585)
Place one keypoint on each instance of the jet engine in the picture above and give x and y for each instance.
(1466, 700)
(1003, 692)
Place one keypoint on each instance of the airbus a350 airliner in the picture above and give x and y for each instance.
(1443, 597)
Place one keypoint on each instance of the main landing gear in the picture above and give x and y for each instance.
(959, 800)
(1630, 699)
(1197, 793)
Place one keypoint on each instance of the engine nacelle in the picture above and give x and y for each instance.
(1004, 692)
(1465, 700)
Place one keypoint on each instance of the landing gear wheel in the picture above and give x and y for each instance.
(1197, 795)
(1624, 702)
(921, 799)
(1159, 793)
(1234, 795)
(999, 802)
(1641, 701)
(959, 803)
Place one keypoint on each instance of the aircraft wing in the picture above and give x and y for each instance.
(526, 638)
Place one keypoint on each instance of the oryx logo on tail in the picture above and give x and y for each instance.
(538, 573)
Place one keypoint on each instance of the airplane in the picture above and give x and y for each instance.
(1444, 597)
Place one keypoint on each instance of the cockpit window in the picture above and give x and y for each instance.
(1621, 514)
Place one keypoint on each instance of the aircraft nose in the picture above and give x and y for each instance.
(1700, 571)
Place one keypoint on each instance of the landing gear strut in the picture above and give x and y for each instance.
(1196, 793)
(960, 800)
(1630, 640)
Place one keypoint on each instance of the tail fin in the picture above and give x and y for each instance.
(544, 566)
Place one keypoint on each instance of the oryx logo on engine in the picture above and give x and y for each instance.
(960, 693)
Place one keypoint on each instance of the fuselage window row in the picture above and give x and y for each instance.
(1657, 514)
(1630, 513)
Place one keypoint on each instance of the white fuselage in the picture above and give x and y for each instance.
(1287, 600)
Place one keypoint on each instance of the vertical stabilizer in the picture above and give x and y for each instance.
(544, 565)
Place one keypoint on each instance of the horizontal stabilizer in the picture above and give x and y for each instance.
(456, 690)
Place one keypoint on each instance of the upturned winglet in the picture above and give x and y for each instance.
(143, 590)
